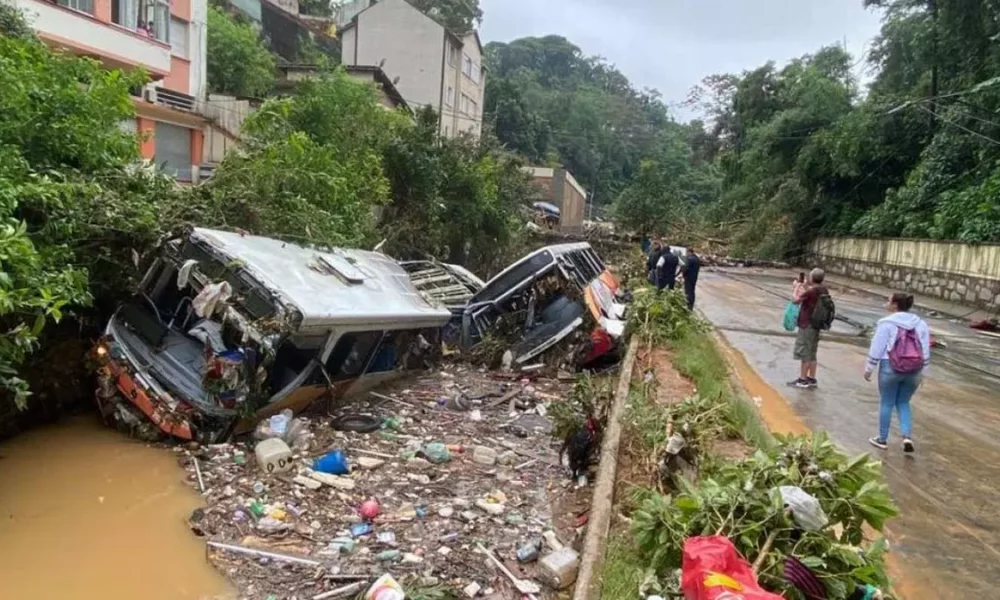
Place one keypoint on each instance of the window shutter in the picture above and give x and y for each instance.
(173, 150)
(178, 37)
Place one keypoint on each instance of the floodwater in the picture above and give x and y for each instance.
(86, 513)
(947, 539)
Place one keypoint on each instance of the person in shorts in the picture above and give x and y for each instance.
(806, 294)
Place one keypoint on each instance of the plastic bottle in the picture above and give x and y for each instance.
(529, 551)
(279, 422)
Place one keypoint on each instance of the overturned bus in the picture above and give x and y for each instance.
(550, 294)
(227, 329)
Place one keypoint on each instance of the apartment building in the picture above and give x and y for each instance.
(430, 65)
(166, 38)
(559, 188)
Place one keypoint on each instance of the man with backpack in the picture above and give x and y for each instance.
(816, 313)
(899, 351)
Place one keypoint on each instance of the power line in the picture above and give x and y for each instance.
(954, 124)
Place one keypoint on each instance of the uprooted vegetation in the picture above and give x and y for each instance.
(681, 486)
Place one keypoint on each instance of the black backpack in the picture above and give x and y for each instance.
(824, 313)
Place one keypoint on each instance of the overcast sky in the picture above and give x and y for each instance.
(671, 45)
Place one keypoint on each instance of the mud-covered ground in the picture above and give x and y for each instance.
(433, 517)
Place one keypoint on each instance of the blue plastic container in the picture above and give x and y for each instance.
(334, 463)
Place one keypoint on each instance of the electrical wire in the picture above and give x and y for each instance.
(959, 126)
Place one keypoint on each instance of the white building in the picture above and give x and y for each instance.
(167, 38)
(430, 65)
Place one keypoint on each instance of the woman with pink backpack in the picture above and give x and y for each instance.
(900, 350)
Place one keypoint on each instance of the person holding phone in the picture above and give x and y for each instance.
(807, 295)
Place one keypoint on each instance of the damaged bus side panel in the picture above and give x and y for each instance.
(547, 296)
(227, 328)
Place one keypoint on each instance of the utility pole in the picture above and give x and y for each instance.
(933, 6)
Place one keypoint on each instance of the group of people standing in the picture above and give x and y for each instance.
(664, 266)
(898, 353)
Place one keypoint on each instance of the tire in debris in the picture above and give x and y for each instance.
(357, 423)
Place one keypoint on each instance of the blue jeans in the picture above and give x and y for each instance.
(895, 390)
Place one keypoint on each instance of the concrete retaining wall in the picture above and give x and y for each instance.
(964, 273)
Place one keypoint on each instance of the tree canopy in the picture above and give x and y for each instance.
(804, 153)
(549, 102)
(458, 16)
(238, 63)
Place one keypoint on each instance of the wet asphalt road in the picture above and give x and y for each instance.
(948, 535)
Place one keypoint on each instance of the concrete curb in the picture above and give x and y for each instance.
(588, 581)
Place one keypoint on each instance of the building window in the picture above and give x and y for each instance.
(453, 55)
(178, 37)
(173, 150)
(149, 17)
(86, 6)
(467, 66)
(449, 100)
(476, 73)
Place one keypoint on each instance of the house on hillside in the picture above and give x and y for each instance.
(430, 65)
(559, 188)
(389, 95)
(168, 40)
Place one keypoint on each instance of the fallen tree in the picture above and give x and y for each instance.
(690, 490)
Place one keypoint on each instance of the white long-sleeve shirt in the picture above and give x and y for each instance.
(887, 331)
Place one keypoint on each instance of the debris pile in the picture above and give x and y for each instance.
(451, 481)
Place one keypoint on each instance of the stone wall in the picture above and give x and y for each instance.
(957, 272)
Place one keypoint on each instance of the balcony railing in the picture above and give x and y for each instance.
(69, 25)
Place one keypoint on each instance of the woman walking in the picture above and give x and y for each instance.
(900, 350)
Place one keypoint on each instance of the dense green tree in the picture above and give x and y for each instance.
(459, 16)
(311, 165)
(671, 185)
(454, 199)
(238, 64)
(805, 155)
(553, 105)
(74, 203)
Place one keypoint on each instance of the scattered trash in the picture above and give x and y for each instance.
(559, 568)
(525, 587)
(472, 590)
(675, 444)
(334, 463)
(357, 423)
(385, 588)
(484, 455)
(388, 555)
(369, 509)
(307, 482)
(437, 453)
(367, 462)
(347, 590)
(806, 510)
(444, 482)
(529, 552)
(201, 482)
(335, 481)
(709, 562)
(273, 455)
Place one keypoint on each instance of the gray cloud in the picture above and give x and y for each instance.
(670, 45)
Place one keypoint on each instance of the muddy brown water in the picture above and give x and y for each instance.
(86, 513)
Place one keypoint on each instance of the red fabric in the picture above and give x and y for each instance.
(807, 305)
(601, 343)
(714, 570)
